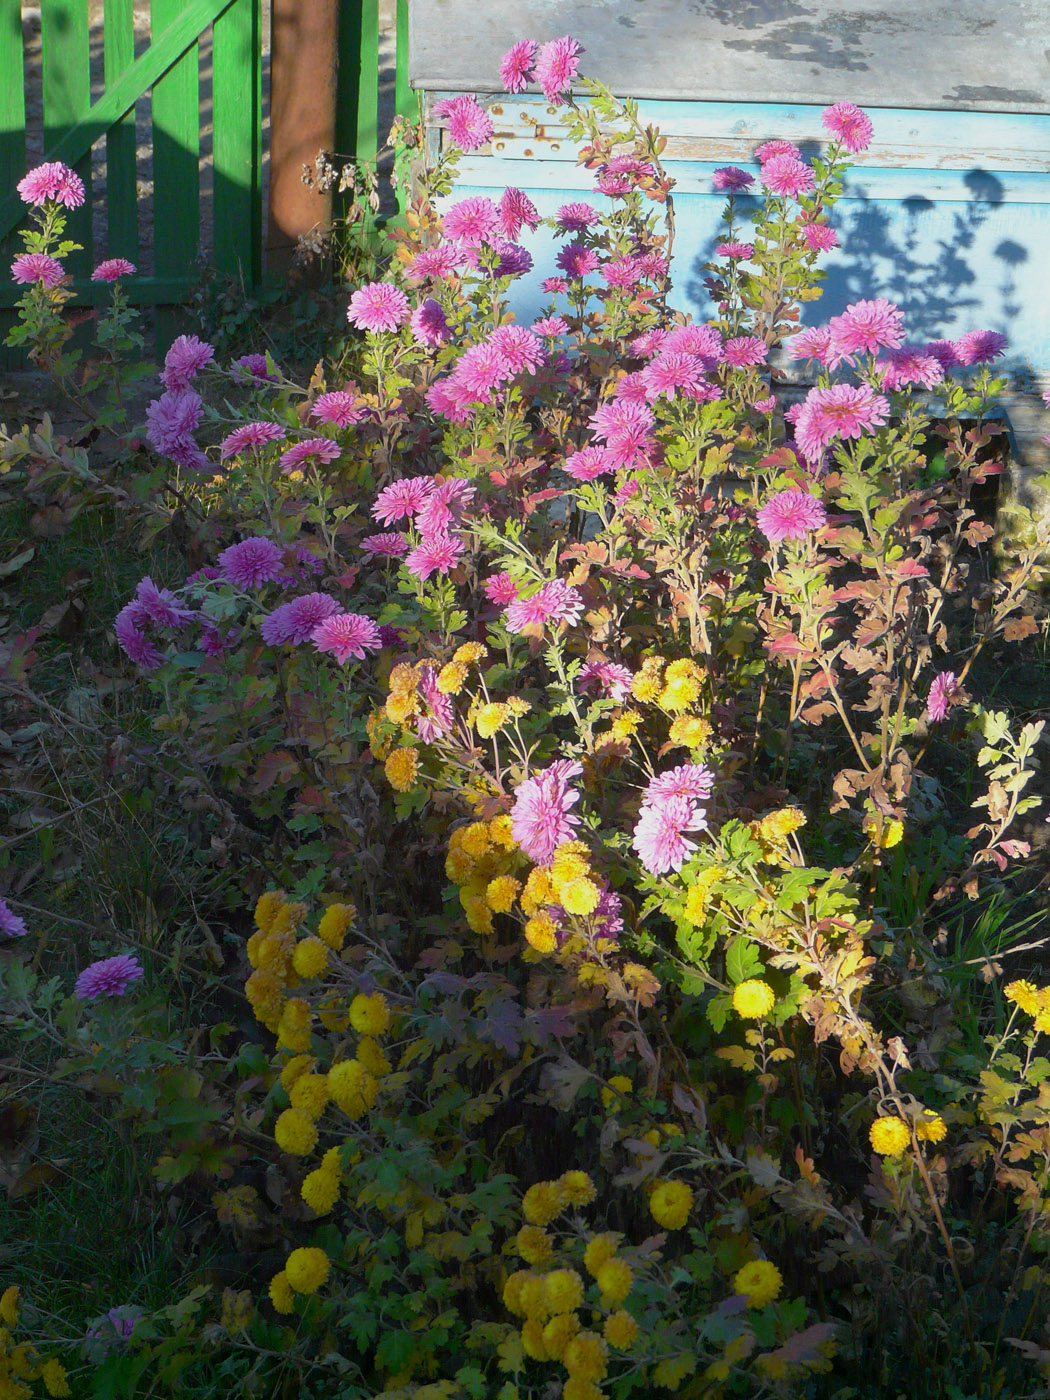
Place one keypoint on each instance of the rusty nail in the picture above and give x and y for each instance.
(527, 151)
(499, 145)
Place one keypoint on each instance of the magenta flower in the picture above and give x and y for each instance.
(735, 251)
(249, 367)
(575, 217)
(550, 327)
(659, 833)
(554, 285)
(435, 264)
(843, 411)
(186, 357)
(980, 347)
(473, 221)
(691, 339)
(770, 149)
(910, 365)
(37, 267)
(112, 270)
(820, 238)
(942, 694)
(249, 435)
(732, 178)
(451, 400)
(671, 372)
(541, 818)
(295, 622)
(576, 260)
(516, 211)
(514, 260)
(346, 634)
(402, 499)
(517, 66)
(469, 125)
(129, 627)
(321, 450)
(428, 323)
(607, 677)
(691, 780)
(556, 66)
(555, 601)
(379, 306)
(520, 348)
(633, 388)
(481, 369)
(500, 589)
(745, 350)
(787, 176)
(864, 327)
(431, 726)
(11, 926)
(391, 544)
(437, 555)
(588, 463)
(161, 606)
(647, 344)
(109, 978)
(850, 126)
(444, 506)
(943, 351)
(790, 515)
(52, 180)
(624, 426)
(252, 563)
(621, 272)
(812, 343)
(338, 408)
(766, 405)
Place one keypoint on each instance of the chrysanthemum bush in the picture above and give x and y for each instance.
(617, 706)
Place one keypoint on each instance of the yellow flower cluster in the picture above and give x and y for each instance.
(753, 999)
(280, 962)
(20, 1362)
(689, 732)
(759, 1282)
(699, 894)
(1033, 1000)
(320, 1188)
(671, 1203)
(481, 858)
(402, 769)
(890, 1137)
(352, 1087)
(648, 682)
(682, 681)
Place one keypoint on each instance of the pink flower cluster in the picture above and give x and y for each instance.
(542, 816)
(606, 677)
(434, 509)
(942, 695)
(553, 602)
(186, 357)
(672, 805)
(52, 180)
(552, 65)
(790, 515)
(483, 369)
(112, 270)
(469, 125)
(29, 268)
(841, 411)
(378, 307)
(153, 605)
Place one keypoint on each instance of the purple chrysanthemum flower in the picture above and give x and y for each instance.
(252, 562)
(249, 435)
(402, 499)
(790, 515)
(735, 251)
(980, 347)
(52, 180)
(112, 270)
(111, 977)
(29, 268)
(732, 178)
(320, 450)
(444, 506)
(294, 623)
(575, 217)
(841, 411)
(128, 626)
(431, 726)
(787, 176)
(550, 327)
(943, 351)
(435, 263)
(379, 306)
(250, 367)
(186, 357)
(346, 634)
(337, 407)
(541, 818)
(469, 125)
(624, 426)
(692, 339)
(11, 925)
(514, 260)
(942, 693)
(576, 260)
(671, 372)
(161, 606)
(170, 421)
(429, 326)
(520, 348)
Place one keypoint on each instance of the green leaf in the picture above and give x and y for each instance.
(742, 960)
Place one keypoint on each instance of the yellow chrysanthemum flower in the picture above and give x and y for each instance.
(297, 1065)
(294, 1133)
(320, 1190)
(512, 1300)
(542, 1202)
(532, 1339)
(537, 891)
(777, 826)
(577, 1389)
(646, 686)
(478, 913)
(689, 732)
(352, 1087)
(620, 1330)
(401, 707)
(625, 725)
(559, 1332)
(310, 957)
(266, 907)
(309, 1095)
(562, 1291)
(53, 1374)
(470, 653)
(370, 1054)
(670, 1204)
(293, 1028)
(288, 918)
(677, 695)
(334, 923)
(517, 706)
(9, 1306)
(541, 933)
(402, 769)
(306, 1269)
(890, 1137)
(931, 1127)
(759, 1282)
(402, 679)
(370, 1015)
(331, 1012)
(501, 832)
(1025, 994)
(534, 1245)
(534, 1298)
(571, 859)
(600, 1249)
(491, 718)
(474, 840)
(580, 896)
(452, 677)
(753, 999)
(501, 892)
(281, 1294)
(586, 1357)
(618, 1085)
(577, 1188)
(615, 1279)
(458, 867)
(699, 895)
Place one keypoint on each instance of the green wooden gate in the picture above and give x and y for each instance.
(169, 69)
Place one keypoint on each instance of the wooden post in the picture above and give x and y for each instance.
(302, 120)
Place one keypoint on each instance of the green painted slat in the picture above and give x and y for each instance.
(65, 43)
(12, 97)
(176, 156)
(158, 58)
(357, 95)
(404, 98)
(237, 108)
(122, 234)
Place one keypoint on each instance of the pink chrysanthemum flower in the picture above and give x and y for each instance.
(556, 65)
(434, 264)
(378, 307)
(821, 238)
(910, 365)
(787, 176)
(391, 544)
(649, 343)
(607, 677)
(294, 623)
(517, 66)
(624, 426)
(52, 180)
(653, 266)
(428, 323)
(403, 499)
(632, 387)
(735, 251)
(670, 372)
(469, 125)
(691, 780)
(521, 350)
(249, 435)
(732, 178)
(554, 285)
(850, 126)
(431, 726)
(111, 977)
(516, 211)
(556, 601)
(161, 606)
(790, 515)
(37, 267)
(864, 327)
(621, 272)
(541, 818)
(500, 589)
(337, 407)
(187, 355)
(744, 350)
(346, 634)
(321, 450)
(129, 627)
(777, 147)
(812, 343)
(444, 506)
(251, 367)
(576, 260)
(659, 833)
(588, 463)
(943, 351)
(549, 327)
(691, 339)
(11, 925)
(451, 400)
(479, 370)
(575, 217)
(942, 693)
(980, 347)
(112, 270)
(252, 562)
(843, 411)
(473, 221)
(438, 554)
(766, 405)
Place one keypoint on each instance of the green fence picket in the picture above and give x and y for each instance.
(237, 108)
(176, 157)
(65, 42)
(122, 224)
